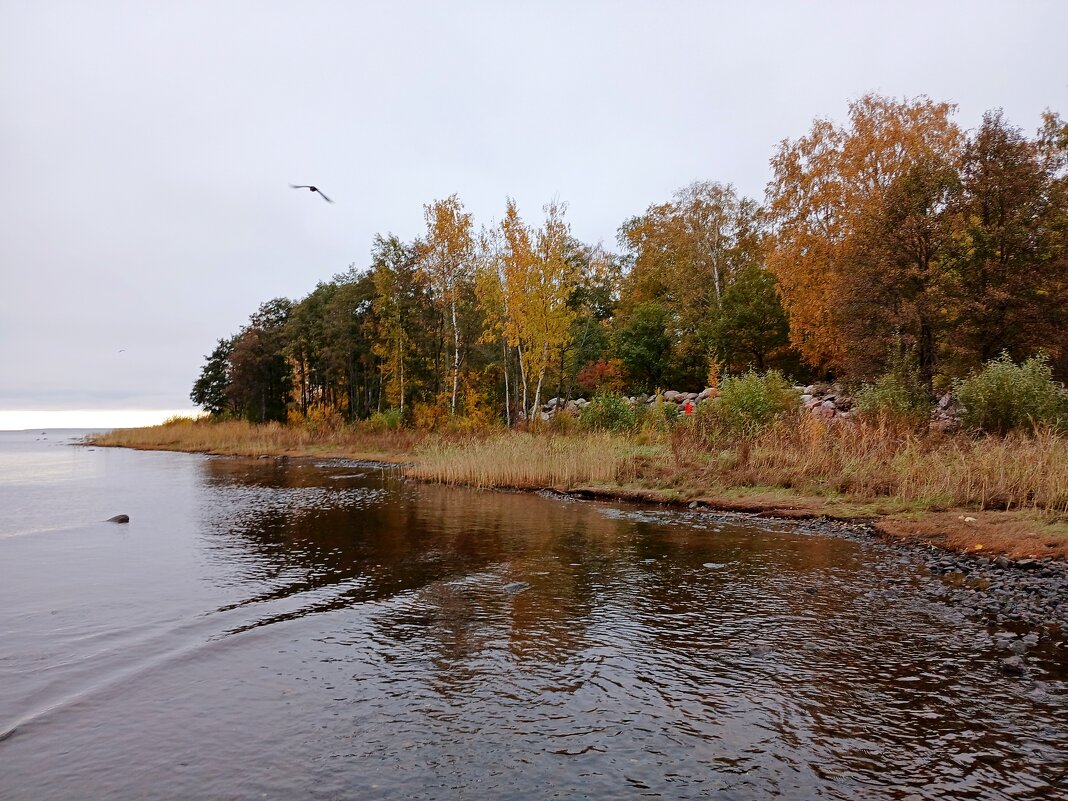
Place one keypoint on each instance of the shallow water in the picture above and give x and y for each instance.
(264, 629)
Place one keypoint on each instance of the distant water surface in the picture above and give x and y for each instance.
(285, 630)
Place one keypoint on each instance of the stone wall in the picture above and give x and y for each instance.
(825, 401)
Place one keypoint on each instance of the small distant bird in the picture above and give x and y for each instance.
(311, 189)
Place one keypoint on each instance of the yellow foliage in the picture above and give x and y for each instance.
(431, 416)
(715, 370)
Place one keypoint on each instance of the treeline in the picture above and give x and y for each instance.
(896, 237)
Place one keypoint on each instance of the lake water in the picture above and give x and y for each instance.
(294, 630)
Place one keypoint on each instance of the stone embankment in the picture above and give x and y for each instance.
(825, 401)
(670, 397)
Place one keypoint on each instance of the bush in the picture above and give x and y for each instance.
(748, 405)
(389, 420)
(657, 416)
(898, 398)
(322, 420)
(431, 416)
(563, 422)
(609, 413)
(1004, 396)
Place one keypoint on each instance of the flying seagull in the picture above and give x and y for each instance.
(311, 189)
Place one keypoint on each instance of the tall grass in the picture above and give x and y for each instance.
(240, 438)
(1020, 471)
(524, 461)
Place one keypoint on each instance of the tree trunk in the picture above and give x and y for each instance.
(523, 376)
(507, 397)
(537, 392)
(402, 376)
(455, 358)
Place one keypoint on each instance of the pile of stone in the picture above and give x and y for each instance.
(670, 397)
(830, 401)
(827, 401)
(945, 417)
(823, 400)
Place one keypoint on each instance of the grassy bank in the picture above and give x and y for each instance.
(239, 438)
(991, 494)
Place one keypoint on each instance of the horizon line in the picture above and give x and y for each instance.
(30, 419)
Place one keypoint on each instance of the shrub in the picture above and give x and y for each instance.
(657, 416)
(899, 397)
(432, 415)
(1004, 396)
(747, 405)
(608, 413)
(389, 420)
(322, 420)
(563, 422)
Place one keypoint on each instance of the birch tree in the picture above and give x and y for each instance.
(447, 260)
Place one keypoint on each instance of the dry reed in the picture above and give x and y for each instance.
(523, 461)
(240, 438)
(1019, 471)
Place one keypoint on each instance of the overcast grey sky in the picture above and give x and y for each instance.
(146, 147)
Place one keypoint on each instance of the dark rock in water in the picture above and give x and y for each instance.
(118, 519)
(516, 586)
(1013, 666)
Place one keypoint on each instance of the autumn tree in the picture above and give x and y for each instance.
(517, 264)
(825, 187)
(495, 304)
(305, 345)
(685, 256)
(898, 274)
(684, 251)
(399, 303)
(547, 311)
(447, 262)
(526, 285)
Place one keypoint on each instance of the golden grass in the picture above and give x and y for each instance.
(1019, 471)
(524, 461)
(240, 438)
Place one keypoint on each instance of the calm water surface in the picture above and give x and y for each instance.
(326, 631)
